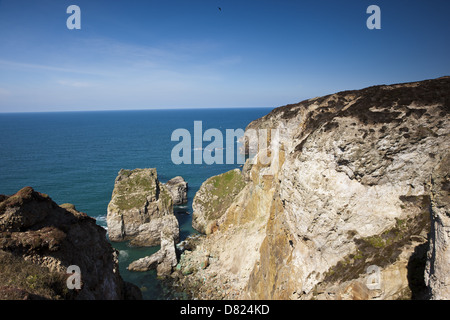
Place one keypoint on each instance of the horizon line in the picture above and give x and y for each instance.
(122, 110)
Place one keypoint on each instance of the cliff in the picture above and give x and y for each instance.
(344, 206)
(40, 240)
(437, 274)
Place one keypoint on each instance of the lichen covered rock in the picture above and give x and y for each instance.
(214, 197)
(140, 207)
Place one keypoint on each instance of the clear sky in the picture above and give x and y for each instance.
(137, 54)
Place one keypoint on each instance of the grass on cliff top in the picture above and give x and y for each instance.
(222, 192)
(19, 277)
(133, 191)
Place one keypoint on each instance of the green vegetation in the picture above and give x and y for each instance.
(219, 193)
(19, 278)
(383, 249)
(134, 187)
(231, 180)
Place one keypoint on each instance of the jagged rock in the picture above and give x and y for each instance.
(163, 261)
(189, 243)
(347, 187)
(140, 207)
(178, 189)
(438, 264)
(213, 198)
(39, 240)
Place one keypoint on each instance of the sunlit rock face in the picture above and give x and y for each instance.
(349, 186)
(140, 207)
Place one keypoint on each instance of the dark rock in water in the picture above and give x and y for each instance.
(40, 240)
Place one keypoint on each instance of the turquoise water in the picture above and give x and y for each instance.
(75, 156)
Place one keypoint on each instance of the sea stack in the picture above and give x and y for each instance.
(140, 208)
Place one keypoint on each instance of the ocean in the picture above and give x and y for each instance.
(74, 157)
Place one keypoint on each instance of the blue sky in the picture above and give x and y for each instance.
(138, 54)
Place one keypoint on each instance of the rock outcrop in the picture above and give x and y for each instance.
(39, 240)
(213, 198)
(163, 261)
(178, 188)
(438, 264)
(140, 208)
(347, 191)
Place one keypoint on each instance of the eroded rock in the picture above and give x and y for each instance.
(39, 240)
(163, 261)
(438, 264)
(140, 208)
(178, 189)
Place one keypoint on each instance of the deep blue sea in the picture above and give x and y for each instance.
(74, 157)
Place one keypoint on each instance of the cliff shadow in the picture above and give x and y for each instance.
(416, 273)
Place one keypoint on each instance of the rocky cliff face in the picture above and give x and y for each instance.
(342, 209)
(140, 207)
(178, 188)
(163, 261)
(438, 264)
(39, 240)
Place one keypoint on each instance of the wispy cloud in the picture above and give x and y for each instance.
(109, 73)
(32, 66)
(75, 84)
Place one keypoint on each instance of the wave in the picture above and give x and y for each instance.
(101, 218)
(101, 221)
